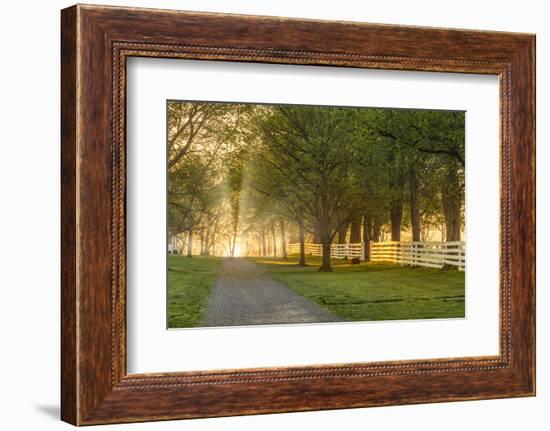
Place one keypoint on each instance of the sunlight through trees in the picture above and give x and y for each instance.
(246, 180)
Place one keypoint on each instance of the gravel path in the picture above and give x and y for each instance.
(246, 294)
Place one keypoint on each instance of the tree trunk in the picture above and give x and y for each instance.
(325, 265)
(396, 214)
(342, 232)
(207, 243)
(274, 238)
(181, 244)
(355, 230)
(212, 237)
(302, 260)
(190, 243)
(415, 210)
(233, 241)
(452, 220)
(283, 240)
(367, 227)
(376, 227)
(451, 202)
(201, 235)
(262, 234)
(294, 233)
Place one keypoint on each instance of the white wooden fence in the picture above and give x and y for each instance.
(420, 253)
(338, 251)
(414, 253)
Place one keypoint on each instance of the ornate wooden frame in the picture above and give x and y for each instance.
(95, 43)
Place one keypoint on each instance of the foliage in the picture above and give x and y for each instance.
(303, 162)
(239, 172)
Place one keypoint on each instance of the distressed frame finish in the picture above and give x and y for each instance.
(96, 41)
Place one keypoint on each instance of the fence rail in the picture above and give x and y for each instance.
(338, 251)
(420, 253)
(414, 253)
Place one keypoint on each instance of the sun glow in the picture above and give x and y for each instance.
(238, 250)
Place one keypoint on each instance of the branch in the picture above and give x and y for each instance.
(452, 153)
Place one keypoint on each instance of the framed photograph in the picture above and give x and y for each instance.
(266, 215)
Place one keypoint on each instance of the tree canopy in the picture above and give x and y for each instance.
(247, 179)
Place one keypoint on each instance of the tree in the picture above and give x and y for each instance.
(418, 137)
(243, 176)
(191, 193)
(305, 164)
(204, 164)
(283, 238)
(443, 136)
(192, 124)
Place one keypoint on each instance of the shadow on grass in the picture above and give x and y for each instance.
(373, 291)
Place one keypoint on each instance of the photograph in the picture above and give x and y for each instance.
(299, 214)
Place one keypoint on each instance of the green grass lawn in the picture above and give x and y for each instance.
(374, 291)
(189, 283)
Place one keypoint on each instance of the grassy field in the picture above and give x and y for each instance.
(374, 291)
(189, 283)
